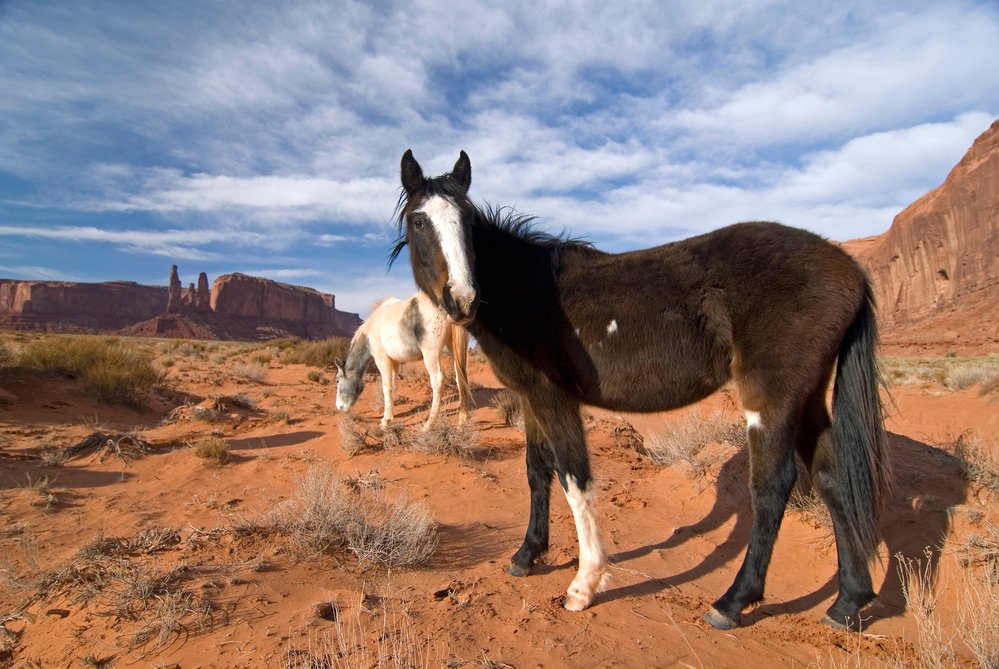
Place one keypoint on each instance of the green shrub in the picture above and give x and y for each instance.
(113, 370)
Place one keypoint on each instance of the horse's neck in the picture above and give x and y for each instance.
(358, 356)
(516, 277)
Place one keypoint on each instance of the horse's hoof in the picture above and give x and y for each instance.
(835, 624)
(718, 620)
(517, 570)
(575, 602)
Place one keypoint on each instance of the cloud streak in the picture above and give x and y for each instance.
(231, 133)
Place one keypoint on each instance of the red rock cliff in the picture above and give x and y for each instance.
(940, 258)
(249, 297)
(77, 307)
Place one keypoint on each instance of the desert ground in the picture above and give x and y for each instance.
(120, 546)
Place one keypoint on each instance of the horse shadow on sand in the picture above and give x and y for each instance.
(914, 527)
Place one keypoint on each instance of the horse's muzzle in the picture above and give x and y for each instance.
(460, 307)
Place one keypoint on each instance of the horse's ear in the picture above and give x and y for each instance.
(412, 175)
(462, 172)
(339, 366)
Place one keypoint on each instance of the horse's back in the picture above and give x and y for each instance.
(677, 320)
(403, 329)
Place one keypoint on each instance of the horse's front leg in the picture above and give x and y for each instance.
(433, 364)
(558, 418)
(540, 467)
(388, 370)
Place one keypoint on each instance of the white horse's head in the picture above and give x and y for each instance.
(348, 388)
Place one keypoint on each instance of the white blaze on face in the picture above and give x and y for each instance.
(611, 327)
(753, 419)
(446, 219)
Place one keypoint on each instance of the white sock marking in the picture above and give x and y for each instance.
(592, 561)
(753, 419)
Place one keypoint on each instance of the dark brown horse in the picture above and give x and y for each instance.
(775, 308)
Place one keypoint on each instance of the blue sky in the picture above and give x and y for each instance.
(265, 137)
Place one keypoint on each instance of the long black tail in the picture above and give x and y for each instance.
(858, 428)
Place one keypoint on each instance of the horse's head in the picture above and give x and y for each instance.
(437, 216)
(347, 389)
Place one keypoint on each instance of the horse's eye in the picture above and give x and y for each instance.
(419, 222)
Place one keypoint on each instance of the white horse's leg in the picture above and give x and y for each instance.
(388, 370)
(433, 364)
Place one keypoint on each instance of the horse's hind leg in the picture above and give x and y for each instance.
(771, 434)
(540, 468)
(855, 586)
(389, 370)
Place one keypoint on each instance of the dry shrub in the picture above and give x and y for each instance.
(350, 644)
(978, 465)
(682, 441)
(950, 372)
(320, 353)
(804, 501)
(355, 438)
(443, 438)
(213, 448)
(978, 618)
(250, 371)
(509, 407)
(325, 513)
(7, 355)
(935, 647)
(981, 551)
(115, 371)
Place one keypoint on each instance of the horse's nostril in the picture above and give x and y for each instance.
(448, 299)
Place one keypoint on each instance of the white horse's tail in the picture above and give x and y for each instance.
(459, 350)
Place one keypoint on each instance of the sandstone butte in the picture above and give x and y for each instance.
(935, 273)
(238, 307)
(936, 270)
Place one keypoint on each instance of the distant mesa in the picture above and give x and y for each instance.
(236, 307)
(935, 274)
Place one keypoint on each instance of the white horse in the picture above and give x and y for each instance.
(404, 331)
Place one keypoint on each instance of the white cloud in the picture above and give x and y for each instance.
(278, 127)
(919, 65)
(35, 273)
(287, 198)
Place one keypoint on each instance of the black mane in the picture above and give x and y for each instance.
(502, 218)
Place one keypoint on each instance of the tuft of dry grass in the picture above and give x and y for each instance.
(978, 618)
(7, 355)
(115, 371)
(935, 647)
(356, 438)
(684, 440)
(978, 465)
(213, 448)
(317, 376)
(981, 551)
(508, 405)
(950, 372)
(325, 513)
(320, 353)
(352, 645)
(443, 438)
(250, 371)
